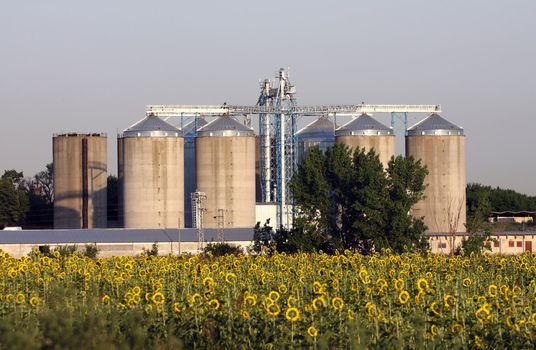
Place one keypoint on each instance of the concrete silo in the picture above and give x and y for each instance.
(151, 175)
(320, 133)
(80, 178)
(366, 132)
(226, 173)
(440, 145)
(189, 133)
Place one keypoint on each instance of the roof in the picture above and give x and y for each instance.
(364, 125)
(189, 129)
(152, 126)
(511, 213)
(322, 128)
(119, 236)
(225, 126)
(435, 125)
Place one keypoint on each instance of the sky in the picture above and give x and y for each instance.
(72, 66)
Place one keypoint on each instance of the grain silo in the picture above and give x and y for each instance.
(80, 178)
(440, 145)
(368, 133)
(319, 133)
(189, 133)
(225, 165)
(151, 175)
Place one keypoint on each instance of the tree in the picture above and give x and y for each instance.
(405, 181)
(40, 192)
(347, 200)
(113, 200)
(13, 199)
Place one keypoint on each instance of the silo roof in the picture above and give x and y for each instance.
(322, 128)
(152, 126)
(364, 125)
(435, 125)
(225, 126)
(189, 129)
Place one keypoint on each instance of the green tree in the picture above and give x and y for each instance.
(347, 200)
(113, 200)
(40, 192)
(405, 182)
(13, 199)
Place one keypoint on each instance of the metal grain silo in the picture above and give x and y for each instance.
(226, 173)
(440, 145)
(189, 133)
(319, 133)
(366, 132)
(151, 175)
(80, 178)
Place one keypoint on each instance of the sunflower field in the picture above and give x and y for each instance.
(283, 301)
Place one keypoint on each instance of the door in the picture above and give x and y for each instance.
(528, 246)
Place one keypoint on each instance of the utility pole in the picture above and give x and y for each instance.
(198, 210)
(179, 227)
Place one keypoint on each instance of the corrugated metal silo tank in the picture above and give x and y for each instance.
(151, 175)
(80, 178)
(441, 147)
(226, 173)
(368, 133)
(189, 133)
(319, 133)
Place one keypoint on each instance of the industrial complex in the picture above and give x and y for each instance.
(206, 168)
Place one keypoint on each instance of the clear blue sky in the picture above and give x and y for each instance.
(93, 66)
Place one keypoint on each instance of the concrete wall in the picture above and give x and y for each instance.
(384, 146)
(119, 249)
(444, 207)
(226, 173)
(151, 177)
(500, 244)
(69, 180)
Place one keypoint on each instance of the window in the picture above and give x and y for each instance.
(511, 244)
(442, 245)
(519, 244)
(487, 244)
(496, 244)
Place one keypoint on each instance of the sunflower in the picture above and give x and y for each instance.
(177, 308)
(449, 300)
(273, 296)
(282, 289)
(456, 328)
(250, 300)
(230, 278)
(422, 284)
(434, 307)
(292, 314)
(214, 303)
(312, 331)
(273, 309)
(245, 314)
(466, 282)
(34, 301)
(399, 284)
(433, 329)
(403, 297)
(158, 298)
(337, 303)
(317, 287)
(20, 298)
(319, 303)
(105, 299)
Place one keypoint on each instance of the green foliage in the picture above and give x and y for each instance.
(221, 249)
(66, 250)
(475, 243)
(14, 203)
(263, 240)
(91, 251)
(113, 200)
(499, 199)
(40, 192)
(153, 251)
(347, 200)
